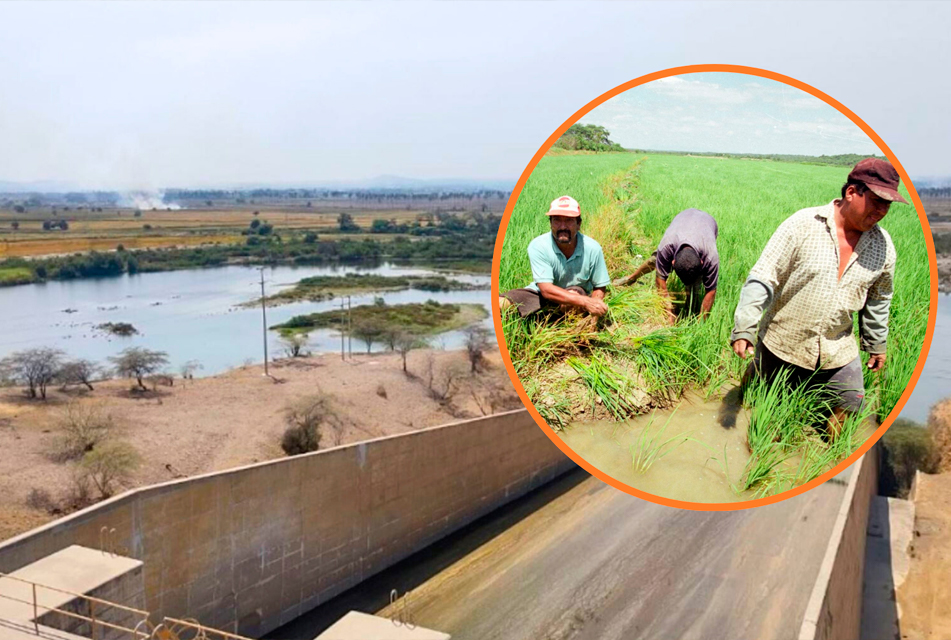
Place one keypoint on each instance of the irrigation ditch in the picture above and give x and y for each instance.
(658, 406)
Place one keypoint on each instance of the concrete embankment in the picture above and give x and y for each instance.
(251, 548)
(835, 606)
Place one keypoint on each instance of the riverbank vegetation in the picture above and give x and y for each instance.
(457, 241)
(317, 288)
(378, 322)
(627, 201)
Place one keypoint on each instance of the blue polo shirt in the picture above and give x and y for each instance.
(585, 268)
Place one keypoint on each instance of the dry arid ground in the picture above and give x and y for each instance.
(925, 596)
(202, 425)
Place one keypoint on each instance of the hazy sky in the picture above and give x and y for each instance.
(138, 95)
(732, 112)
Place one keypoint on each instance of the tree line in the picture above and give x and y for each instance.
(38, 368)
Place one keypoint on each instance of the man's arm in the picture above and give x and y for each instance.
(754, 298)
(665, 295)
(594, 306)
(873, 318)
(707, 302)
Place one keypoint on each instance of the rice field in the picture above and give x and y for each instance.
(576, 372)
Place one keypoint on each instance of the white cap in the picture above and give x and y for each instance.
(565, 206)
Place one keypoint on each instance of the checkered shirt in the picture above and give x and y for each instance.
(809, 309)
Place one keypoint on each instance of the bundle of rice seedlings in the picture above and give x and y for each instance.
(613, 389)
(782, 412)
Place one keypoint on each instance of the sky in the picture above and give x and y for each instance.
(728, 112)
(152, 95)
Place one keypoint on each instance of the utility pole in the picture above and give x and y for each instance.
(264, 320)
(341, 331)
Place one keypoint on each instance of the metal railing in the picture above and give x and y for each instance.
(176, 627)
(95, 622)
(168, 629)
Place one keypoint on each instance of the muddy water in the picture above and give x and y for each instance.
(691, 471)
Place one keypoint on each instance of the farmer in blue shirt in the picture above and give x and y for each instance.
(568, 267)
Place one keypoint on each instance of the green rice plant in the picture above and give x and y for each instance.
(554, 410)
(606, 383)
(781, 411)
(763, 464)
(648, 449)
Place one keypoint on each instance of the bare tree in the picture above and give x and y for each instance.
(83, 426)
(308, 421)
(440, 380)
(136, 362)
(406, 342)
(78, 372)
(35, 368)
(477, 341)
(189, 368)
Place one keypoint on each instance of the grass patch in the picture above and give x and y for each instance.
(426, 318)
(318, 288)
(16, 275)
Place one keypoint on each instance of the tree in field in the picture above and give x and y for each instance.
(477, 341)
(294, 344)
(34, 368)
(369, 331)
(346, 223)
(78, 372)
(14, 225)
(588, 137)
(255, 223)
(47, 225)
(405, 342)
(136, 362)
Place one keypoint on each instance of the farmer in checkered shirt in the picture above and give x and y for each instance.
(821, 266)
(567, 266)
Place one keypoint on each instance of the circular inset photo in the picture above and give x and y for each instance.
(715, 287)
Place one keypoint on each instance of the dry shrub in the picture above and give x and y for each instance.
(493, 395)
(108, 465)
(308, 421)
(41, 500)
(83, 426)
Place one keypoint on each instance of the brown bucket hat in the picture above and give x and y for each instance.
(880, 177)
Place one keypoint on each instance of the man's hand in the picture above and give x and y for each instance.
(595, 307)
(876, 361)
(743, 348)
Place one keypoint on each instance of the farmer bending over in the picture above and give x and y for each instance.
(689, 248)
(821, 266)
(567, 266)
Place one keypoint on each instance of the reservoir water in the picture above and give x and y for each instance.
(193, 314)
(935, 381)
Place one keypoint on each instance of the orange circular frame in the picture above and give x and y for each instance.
(496, 315)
